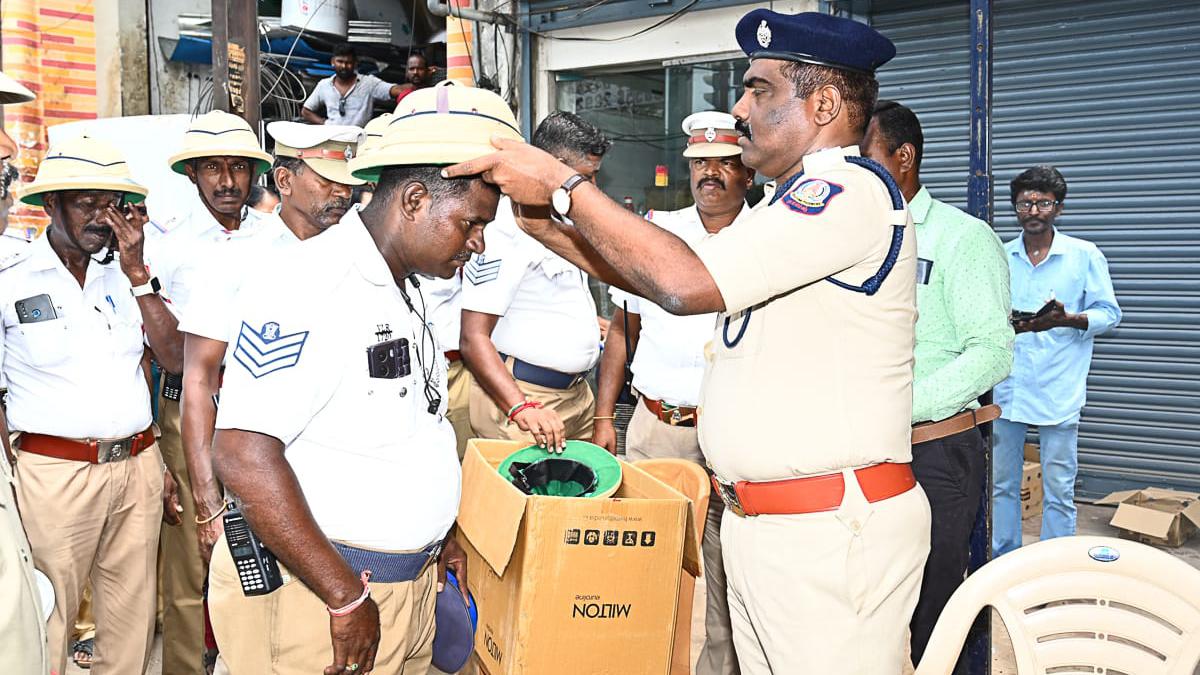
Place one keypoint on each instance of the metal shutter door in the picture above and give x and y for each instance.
(1109, 92)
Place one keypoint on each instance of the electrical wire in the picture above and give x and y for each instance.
(578, 38)
(287, 59)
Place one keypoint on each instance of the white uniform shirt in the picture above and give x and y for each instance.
(227, 264)
(78, 375)
(176, 256)
(547, 313)
(669, 362)
(377, 469)
(445, 307)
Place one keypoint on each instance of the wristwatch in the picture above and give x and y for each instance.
(561, 199)
(147, 288)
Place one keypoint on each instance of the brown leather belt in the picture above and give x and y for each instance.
(681, 416)
(93, 450)
(813, 494)
(932, 431)
(453, 355)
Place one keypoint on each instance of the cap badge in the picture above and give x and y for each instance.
(764, 34)
(710, 135)
(348, 153)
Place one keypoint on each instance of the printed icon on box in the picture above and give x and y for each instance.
(629, 538)
(610, 537)
(648, 538)
(591, 537)
(572, 536)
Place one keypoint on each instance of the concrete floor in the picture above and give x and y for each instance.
(1092, 520)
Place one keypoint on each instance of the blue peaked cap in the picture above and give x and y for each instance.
(812, 37)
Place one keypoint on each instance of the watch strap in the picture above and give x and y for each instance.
(152, 286)
(573, 182)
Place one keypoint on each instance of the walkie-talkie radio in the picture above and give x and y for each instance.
(257, 568)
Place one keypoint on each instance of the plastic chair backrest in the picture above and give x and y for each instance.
(1081, 605)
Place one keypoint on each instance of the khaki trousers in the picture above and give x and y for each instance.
(458, 408)
(287, 632)
(22, 630)
(575, 406)
(827, 592)
(98, 522)
(651, 438)
(85, 621)
(182, 567)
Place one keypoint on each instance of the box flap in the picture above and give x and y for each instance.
(1192, 512)
(491, 510)
(1116, 497)
(1164, 493)
(1143, 520)
(636, 483)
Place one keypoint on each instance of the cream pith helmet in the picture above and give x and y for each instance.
(82, 163)
(220, 134)
(444, 124)
(12, 91)
(325, 148)
(373, 132)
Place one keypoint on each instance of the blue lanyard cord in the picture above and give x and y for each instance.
(730, 344)
(782, 190)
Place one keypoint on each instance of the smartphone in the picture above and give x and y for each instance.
(35, 309)
(1018, 315)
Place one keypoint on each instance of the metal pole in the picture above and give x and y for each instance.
(526, 72)
(979, 204)
(235, 59)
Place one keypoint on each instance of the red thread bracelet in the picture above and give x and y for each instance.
(343, 611)
(524, 406)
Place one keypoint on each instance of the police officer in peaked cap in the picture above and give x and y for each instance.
(807, 394)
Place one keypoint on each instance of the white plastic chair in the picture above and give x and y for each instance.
(1076, 605)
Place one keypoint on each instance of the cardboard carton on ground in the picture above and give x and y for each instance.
(1033, 453)
(1155, 515)
(1031, 490)
(573, 585)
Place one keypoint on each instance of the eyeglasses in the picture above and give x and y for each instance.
(1042, 204)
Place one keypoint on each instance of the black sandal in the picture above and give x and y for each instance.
(87, 646)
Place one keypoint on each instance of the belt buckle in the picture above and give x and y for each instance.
(113, 451)
(728, 494)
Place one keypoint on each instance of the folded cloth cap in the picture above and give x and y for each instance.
(581, 470)
(82, 163)
(454, 627)
(443, 124)
(325, 148)
(711, 134)
(220, 134)
(812, 37)
(12, 91)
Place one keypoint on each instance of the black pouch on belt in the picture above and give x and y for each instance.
(172, 387)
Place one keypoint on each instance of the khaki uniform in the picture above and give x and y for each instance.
(575, 406)
(182, 567)
(458, 410)
(22, 631)
(290, 627)
(827, 592)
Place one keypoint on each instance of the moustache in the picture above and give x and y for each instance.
(710, 181)
(338, 204)
(98, 229)
(464, 256)
(230, 192)
(742, 127)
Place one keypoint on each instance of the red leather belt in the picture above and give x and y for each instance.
(931, 431)
(453, 355)
(813, 494)
(675, 416)
(93, 450)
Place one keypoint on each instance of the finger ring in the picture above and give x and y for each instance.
(352, 667)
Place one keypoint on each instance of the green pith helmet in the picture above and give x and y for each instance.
(582, 470)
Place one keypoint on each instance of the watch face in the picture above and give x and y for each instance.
(561, 201)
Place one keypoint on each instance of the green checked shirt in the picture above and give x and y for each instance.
(964, 338)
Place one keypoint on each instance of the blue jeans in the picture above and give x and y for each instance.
(1060, 462)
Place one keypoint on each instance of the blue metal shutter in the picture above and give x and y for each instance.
(1109, 92)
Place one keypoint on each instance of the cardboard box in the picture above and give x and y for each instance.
(1155, 515)
(1033, 453)
(573, 585)
(1031, 490)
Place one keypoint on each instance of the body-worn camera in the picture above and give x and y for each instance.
(389, 360)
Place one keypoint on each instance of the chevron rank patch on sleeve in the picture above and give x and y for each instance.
(267, 350)
(482, 270)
